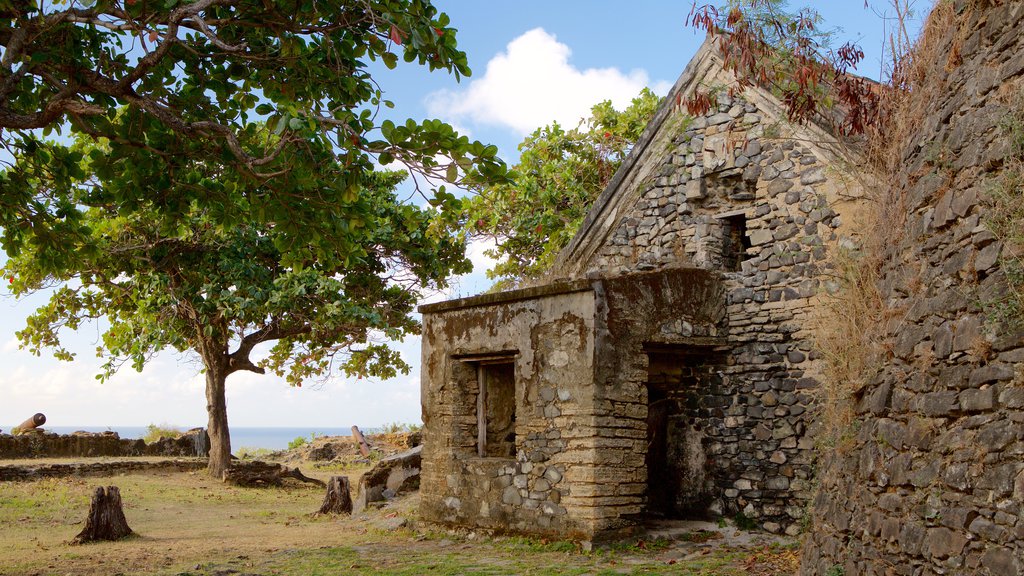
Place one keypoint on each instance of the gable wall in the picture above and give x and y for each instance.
(737, 159)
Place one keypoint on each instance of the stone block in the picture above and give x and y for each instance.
(938, 403)
(978, 400)
(760, 237)
(943, 543)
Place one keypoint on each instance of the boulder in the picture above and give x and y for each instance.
(395, 474)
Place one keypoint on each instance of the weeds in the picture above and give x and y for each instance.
(1006, 220)
(155, 433)
(853, 318)
(744, 522)
(301, 441)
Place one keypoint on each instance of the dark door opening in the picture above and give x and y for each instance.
(681, 385)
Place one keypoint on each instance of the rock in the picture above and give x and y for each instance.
(978, 400)
(779, 186)
(812, 176)
(999, 560)
(398, 473)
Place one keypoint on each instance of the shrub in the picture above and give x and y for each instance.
(154, 432)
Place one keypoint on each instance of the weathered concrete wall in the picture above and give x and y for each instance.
(550, 340)
(934, 482)
(42, 444)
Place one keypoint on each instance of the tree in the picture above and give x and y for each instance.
(560, 173)
(212, 187)
(219, 292)
(269, 92)
(788, 53)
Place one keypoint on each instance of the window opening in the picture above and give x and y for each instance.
(496, 409)
(735, 241)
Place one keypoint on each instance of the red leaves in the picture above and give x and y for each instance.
(734, 18)
(699, 104)
(439, 32)
(397, 36)
(785, 54)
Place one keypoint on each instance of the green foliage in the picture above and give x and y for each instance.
(744, 522)
(154, 432)
(398, 428)
(835, 570)
(560, 173)
(256, 112)
(297, 442)
(193, 285)
(250, 453)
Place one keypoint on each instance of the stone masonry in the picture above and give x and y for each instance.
(41, 444)
(934, 480)
(667, 369)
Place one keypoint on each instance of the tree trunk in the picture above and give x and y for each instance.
(106, 519)
(217, 410)
(257, 473)
(338, 499)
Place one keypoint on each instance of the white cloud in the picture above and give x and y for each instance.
(533, 83)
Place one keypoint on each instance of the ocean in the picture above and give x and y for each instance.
(241, 437)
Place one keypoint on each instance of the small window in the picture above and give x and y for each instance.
(496, 409)
(735, 241)
(488, 382)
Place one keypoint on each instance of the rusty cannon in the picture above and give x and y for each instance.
(32, 423)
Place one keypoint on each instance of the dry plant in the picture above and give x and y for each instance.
(846, 327)
(1006, 217)
(851, 322)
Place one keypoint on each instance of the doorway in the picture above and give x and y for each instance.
(681, 384)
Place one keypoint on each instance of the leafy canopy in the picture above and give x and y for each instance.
(210, 289)
(560, 173)
(260, 112)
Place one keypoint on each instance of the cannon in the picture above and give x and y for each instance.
(35, 421)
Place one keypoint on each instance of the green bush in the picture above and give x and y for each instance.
(154, 432)
(300, 441)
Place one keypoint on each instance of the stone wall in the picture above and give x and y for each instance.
(41, 444)
(934, 480)
(739, 192)
(29, 472)
(677, 311)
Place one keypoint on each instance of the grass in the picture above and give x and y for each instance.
(1006, 219)
(190, 524)
(154, 432)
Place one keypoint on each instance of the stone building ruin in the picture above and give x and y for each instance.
(666, 369)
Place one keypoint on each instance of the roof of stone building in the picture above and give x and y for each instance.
(705, 70)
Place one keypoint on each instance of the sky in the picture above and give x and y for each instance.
(533, 62)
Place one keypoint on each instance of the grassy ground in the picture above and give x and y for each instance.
(189, 524)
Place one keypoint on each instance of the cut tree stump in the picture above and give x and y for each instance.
(338, 499)
(258, 473)
(106, 519)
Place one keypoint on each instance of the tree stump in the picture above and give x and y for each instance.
(257, 473)
(338, 499)
(106, 519)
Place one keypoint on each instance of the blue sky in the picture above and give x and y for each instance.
(533, 62)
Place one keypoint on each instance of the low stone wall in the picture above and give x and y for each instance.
(29, 472)
(42, 444)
